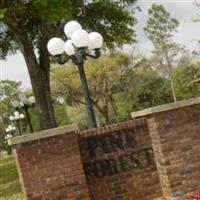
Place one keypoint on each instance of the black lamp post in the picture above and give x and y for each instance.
(78, 47)
(25, 103)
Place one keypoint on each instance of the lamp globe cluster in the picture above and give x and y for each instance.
(16, 116)
(8, 136)
(10, 128)
(76, 38)
(23, 101)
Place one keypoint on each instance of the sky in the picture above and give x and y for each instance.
(14, 68)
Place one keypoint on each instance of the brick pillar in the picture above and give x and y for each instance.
(50, 166)
(175, 136)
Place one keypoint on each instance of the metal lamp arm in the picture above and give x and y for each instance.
(97, 54)
(79, 57)
(61, 60)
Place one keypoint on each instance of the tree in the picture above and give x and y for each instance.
(61, 113)
(183, 75)
(159, 29)
(27, 25)
(149, 89)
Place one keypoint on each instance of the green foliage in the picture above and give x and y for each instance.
(5, 147)
(78, 115)
(2, 13)
(33, 15)
(9, 88)
(28, 25)
(7, 41)
(152, 90)
(34, 121)
(196, 53)
(117, 86)
(182, 76)
(159, 29)
(106, 76)
(61, 113)
(197, 17)
(9, 91)
(111, 18)
(46, 10)
(149, 90)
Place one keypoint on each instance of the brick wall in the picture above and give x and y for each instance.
(154, 157)
(119, 162)
(175, 137)
(51, 169)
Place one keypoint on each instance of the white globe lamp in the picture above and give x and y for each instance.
(69, 49)
(21, 116)
(11, 118)
(56, 46)
(16, 113)
(71, 27)
(80, 38)
(25, 101)
(31, 100)
(15, 104)
(95, 40)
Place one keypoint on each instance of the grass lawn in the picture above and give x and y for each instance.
(9, 182)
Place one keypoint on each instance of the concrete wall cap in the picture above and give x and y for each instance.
(165, 107)
(73, 128)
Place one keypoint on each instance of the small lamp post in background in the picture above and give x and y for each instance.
(11, 130)
(78, 47)
(8, 136)
(25, 103)
(16, 118)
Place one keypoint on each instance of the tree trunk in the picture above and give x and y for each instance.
(41, 89)
(173, 89)
(39, 74)
(104, 112)
(171, 81)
